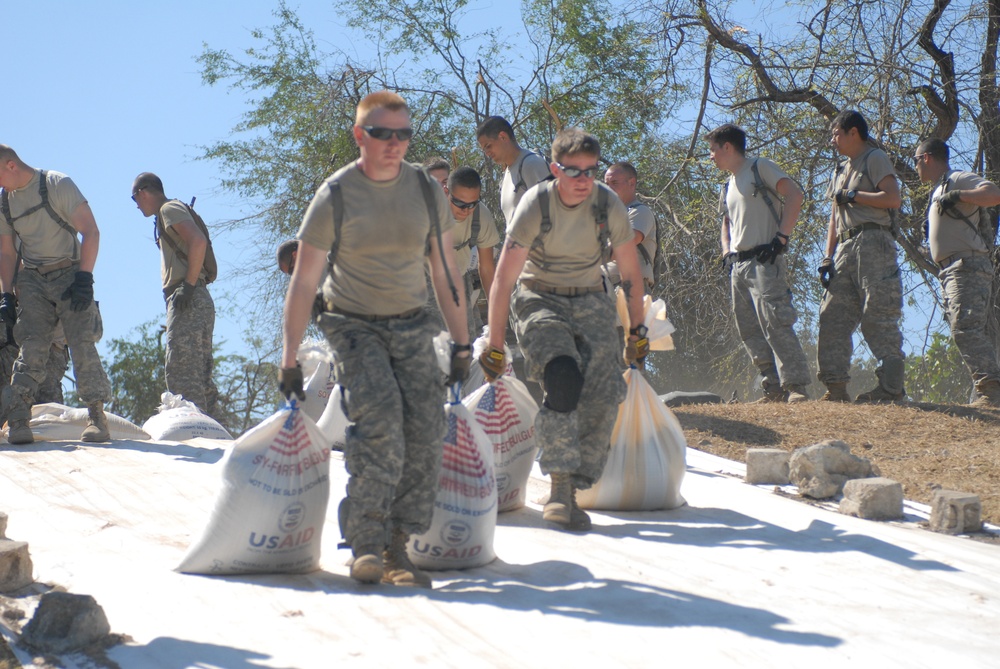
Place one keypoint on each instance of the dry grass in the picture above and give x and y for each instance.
(923, 446)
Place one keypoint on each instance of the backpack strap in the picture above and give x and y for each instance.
(546, 225)
(954, 212)
(474, 232)
(521, 185)
(600, 210)
(337, 202)
(43, 192)
(178, 250)
(760, 187)
(5, 206)
(432, 213)
(893, 223)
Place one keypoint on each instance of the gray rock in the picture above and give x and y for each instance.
(874, 498)
(3, 525)
(821, 470)
(15, 565)
(64, 622)
(679, 398)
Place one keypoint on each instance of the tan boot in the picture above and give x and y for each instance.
(987, 394)
(796, 394)
(17, 406)
(836, 392)
(367, 565)
(879, 395)
(773, 393)
(562, 508)
(97, 424)
(399, 570)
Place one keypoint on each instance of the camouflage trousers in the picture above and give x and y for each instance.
(866, 290)
(393, 394)
(49, 390)
(188, 356)
(41, 308)
(765, 320)
(965, 288)
(583, 328)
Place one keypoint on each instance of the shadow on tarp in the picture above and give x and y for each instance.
(171, 653)
(710, 527)
(179, 450)
(555, 587)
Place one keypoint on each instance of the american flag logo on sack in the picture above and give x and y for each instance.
(460, 453)
(292, 438)
(496, 412)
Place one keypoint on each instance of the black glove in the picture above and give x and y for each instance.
(826, 272)
(8, 309)
(81, 292)
(949, 199)
(494, 363)
(459, 364)
(770, 252)
(290, 382)
(844, 196)
(727, 261)
(183, 296)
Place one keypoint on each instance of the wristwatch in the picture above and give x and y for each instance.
(639, 331)
(851, 194)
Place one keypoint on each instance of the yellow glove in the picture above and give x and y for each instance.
(494, 363)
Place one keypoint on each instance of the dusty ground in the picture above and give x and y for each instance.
(923, 446)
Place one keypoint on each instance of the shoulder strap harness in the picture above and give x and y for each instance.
(43, 191)
(600, 210)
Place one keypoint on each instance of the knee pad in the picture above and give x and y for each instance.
(563, 384)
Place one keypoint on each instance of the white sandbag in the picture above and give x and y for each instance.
(506, 411)
(180, 420)
(318, 369)
(646, 465)
(655, 319)
(269, 514)
(57, 422)
(465, 510)
(333, 423)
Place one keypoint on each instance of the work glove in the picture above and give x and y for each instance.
(459, 364)
(844, 196)
(183, 296)
(727, 261)
(81, 292)
(290, 382)
(636, 349)
(826, 272)
(494, 363)
(770, 252)
(8, 309)
(949, 200)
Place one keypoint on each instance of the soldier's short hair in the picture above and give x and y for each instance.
(379, 100)
(437, 163)
(729, 133)
(150, 182)
(626, 167)
(493, 126)
(848, 119)
(937, 149)
(570, 141)
(7, 153)
(285, 251)
(466, 177)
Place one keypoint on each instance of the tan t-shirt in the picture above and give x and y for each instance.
(530, 168)
(641, 218)
(173, 269)
(948, 233)
(852, 176)
(571, 252)
(751, 222)
(42, 240)
(384, 238)
(488, 236)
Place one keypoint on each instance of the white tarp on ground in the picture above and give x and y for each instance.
(738, 577)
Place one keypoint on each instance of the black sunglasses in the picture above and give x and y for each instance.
(464, 205)
(136, 192)
(574, 172)
(384, 134)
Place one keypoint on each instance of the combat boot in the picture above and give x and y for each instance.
(879, 395)
(772, 396)
(836, 391)
(562, 508)
(796, 394)
(97, 424)
(367, 565)
(890, 375)
(399, 570)
(987, 394)
(16, 405)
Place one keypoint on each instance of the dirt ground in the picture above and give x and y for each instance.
(923, 446)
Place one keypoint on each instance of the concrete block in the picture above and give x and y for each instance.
(954, 512)
(767, 465)
(821, 470)
(15, 565)
(3, 525)
(64, 622)
(875, 498)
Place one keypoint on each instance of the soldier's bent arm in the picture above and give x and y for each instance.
(454, 313)
(887, 197)
(724, 238)
(509, 267)
(792, 195)
(986, 194)
(196, 245)
(309, 264)
(487, 268)
(84, 222)
(8, 259)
